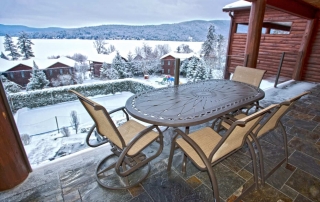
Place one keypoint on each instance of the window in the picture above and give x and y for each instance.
(169, 62)
(22, 74)
(11, 75)
(70, 71)
(169, 70)
(50, 72)
(267, 28)
(162, 62)
(61, 71)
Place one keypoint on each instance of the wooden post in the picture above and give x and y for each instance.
(304, 47)
(177, 71)
(254, 31)
(14, 164)
(233, 29)
(279, 69)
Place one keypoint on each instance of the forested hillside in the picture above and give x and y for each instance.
(184, 31)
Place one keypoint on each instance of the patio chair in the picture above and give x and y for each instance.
(250, 76)
(205, 147)
(126, 166)
(269, 124)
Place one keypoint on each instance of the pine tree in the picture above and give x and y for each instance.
(119, 65)
(9, 86)
(9, 46)
(192, 69)
(108, 72)
(208, 46)
(130, 65)
(24, 44)
(38, 79)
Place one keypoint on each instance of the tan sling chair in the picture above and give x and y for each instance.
(206, 147)
(250, 76)
(127, 142)
(271, 123)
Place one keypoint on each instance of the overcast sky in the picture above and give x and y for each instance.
(80, 13)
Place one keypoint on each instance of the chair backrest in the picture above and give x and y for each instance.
(272, 121)
(102, 119)
(238, 132)
(248, 75)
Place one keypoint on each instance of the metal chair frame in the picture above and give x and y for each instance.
(125, 164)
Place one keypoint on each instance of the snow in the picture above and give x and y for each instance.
(182, 56)
(42, 63)
(237, 4)
(43, 48)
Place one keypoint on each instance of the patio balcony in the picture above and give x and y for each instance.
(71, 178)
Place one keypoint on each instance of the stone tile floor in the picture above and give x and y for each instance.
(71, 178)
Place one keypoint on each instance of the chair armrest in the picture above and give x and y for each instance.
(89, 135)
(118, 109)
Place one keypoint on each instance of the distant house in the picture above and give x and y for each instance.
(20, 71)
(168, 61)
(96, 61)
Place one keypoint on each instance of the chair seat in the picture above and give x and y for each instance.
(130, 129)
(206, 139)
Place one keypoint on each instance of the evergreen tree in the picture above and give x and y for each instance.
(192, 69)
(9, 46)
(119, 65)
(130, 65)
(208, 46)
(24, 44)
(9, 86)
(38, 79)
(108, 72)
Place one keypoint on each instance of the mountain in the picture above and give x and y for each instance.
(191, 30)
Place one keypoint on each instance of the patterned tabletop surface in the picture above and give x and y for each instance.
(192, 103)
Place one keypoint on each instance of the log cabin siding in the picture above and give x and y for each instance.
(271, 45)
(311, 71)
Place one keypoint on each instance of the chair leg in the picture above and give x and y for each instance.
(254, 164)
(261, 161)
(184, 163)
(285, 142)
(173, 145)
(214, 184)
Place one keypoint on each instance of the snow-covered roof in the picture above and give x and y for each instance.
(182, 56)
(238, 5)
(40, 62)
(103, 57)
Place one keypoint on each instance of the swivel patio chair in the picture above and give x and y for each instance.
(250, 76)
(269, 124)
(205, 147)
(127, 165)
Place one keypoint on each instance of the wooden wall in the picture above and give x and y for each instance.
(272, 45)
(311, 70)
(168, 65)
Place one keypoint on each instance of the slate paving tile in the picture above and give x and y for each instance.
(177, 166)
(317, 129)
(94, 192)
(306, 163)
(136, 190)
(305, 147)
(304, 134)
(300, 115)
(168, 186)
(194, 182)
(245, 174)
(289, 191)
(316, 118)
(46, 191)
(301, 198)
(228, 181)
(236, 161)
(72, 196)
(308, 125)
(205, 194)
(144, 197)
(306, 184)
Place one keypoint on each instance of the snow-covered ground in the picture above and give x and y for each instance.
(43, 48)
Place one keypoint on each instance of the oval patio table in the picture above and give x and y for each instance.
(192, 103)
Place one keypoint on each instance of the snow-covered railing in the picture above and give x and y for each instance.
(50, 96)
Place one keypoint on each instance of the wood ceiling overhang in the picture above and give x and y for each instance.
(303, 8)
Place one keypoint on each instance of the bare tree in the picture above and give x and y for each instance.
(82, 68)
(65, 79)
(99, 45)
(79, 57)
(74, 120)
(65, 131)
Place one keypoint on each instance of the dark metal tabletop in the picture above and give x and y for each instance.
(192, 103)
